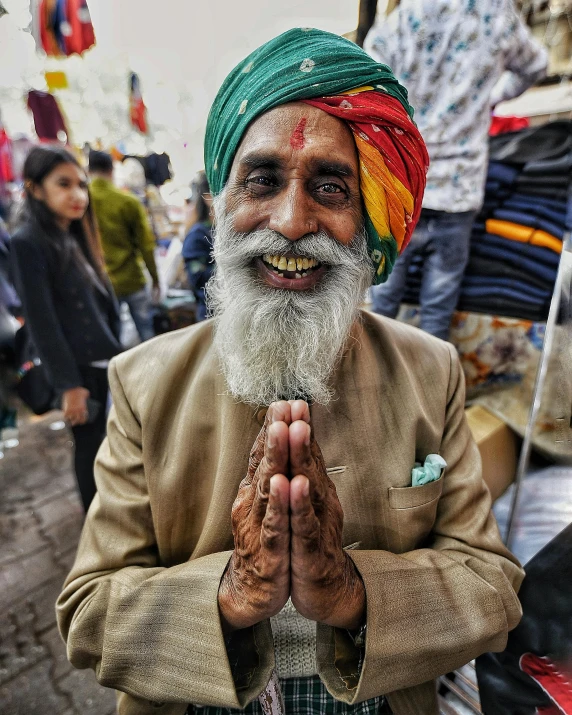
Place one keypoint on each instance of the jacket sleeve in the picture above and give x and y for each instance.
(526, 60)
(32, 281)
(434, 609)
(144, 238)
(148, 630)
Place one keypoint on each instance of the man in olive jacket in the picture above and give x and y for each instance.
(127, 241)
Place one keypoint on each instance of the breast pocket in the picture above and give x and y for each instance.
(412, 513)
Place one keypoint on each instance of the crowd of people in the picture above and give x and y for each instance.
(391, 572)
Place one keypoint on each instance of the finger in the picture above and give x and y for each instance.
(275, 461)
(279, 412)
(304, 523)
(302, 459)
(300, 410)
(275, 530)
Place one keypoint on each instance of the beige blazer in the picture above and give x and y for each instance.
(140, 604)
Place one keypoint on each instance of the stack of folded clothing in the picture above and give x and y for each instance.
(517, 237)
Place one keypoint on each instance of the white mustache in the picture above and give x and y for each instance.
(244, 247)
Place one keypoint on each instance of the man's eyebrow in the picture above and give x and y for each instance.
(257, 160)
(329, 166)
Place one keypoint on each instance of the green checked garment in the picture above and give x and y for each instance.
(302, 696)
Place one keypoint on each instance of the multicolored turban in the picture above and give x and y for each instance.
(335, 75)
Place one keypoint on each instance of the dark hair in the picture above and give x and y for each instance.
(100, 161)
(199, 187)
(39, 164)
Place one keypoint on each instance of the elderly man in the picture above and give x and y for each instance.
(217, 553)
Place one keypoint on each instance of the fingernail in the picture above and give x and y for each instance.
(273, 487)
(306, 488)
(308, 435)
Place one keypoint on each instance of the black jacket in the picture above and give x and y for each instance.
(71, 321)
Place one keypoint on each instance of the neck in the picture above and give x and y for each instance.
(63, 223)
(99, 175)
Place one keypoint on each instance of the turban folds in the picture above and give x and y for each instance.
(335, 75)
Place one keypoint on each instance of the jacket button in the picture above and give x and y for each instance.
(261, 415)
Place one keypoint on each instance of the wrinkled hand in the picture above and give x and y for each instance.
(74, 406)
(324, 583)
(288, 534)
(256, 584)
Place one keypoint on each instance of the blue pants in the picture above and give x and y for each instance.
(140, 308)
(443, 239)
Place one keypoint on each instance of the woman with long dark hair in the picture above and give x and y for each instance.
(70, 310)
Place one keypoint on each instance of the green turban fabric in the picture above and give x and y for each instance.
(311, 65)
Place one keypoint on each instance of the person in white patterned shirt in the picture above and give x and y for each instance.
(457, 59)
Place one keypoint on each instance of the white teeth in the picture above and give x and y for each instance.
(299, 264)
(281, 275)
(291, 264)
(298, 275)
(304, 275)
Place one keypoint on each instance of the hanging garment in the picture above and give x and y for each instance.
(46, 10)
(158, 169)
(136, 105)
(80, 36)
(48, 119)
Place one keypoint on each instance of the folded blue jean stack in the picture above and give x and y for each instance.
(516, 238)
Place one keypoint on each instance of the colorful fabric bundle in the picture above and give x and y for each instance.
(337, 76)
(524, 234)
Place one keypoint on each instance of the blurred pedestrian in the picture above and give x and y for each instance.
(68, 303)
(198, 243)
(127, 240)
(457, 59)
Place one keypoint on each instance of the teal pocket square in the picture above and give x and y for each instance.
(429, 472)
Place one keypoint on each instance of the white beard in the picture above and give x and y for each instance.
(282, 344)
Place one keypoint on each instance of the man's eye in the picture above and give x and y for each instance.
(260, 180)
(331, 189)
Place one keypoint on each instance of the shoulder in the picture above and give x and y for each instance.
(402, 348)
(169, 359)
(27, 240)
(199, 231)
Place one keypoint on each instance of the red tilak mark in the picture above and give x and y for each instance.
(297, 139)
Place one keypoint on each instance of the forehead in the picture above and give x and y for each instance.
(67, 170)
(278, 132)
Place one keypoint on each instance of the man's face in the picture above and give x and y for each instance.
(296, 172)
(292, 263)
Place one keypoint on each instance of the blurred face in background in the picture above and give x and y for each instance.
(64, 191)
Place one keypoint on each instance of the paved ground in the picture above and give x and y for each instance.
(40, 522)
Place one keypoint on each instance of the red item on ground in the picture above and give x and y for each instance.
(502, 125)
(553, 679)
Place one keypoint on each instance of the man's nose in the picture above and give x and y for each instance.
(293, 214)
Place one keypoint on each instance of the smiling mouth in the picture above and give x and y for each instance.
(291, 267)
